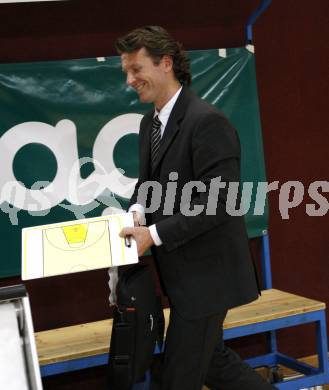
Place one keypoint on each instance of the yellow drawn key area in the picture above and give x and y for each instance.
(75, 234)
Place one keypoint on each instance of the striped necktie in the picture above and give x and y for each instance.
(155, 138)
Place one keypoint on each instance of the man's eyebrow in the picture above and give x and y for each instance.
(133, 67)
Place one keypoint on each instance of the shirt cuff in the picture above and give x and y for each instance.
(140, 212)
(154, 234)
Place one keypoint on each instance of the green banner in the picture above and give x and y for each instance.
(69, 138)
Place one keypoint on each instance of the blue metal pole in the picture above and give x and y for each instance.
(266, 261)
(267, 283)
(322, 344)
(252, 18)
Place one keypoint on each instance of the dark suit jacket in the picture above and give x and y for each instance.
(204, 261)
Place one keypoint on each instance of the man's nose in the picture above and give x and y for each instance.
(130, 79)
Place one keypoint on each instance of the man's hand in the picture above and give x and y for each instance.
(141, 235)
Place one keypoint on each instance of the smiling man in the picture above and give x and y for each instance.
(203, 260)
(152, 81)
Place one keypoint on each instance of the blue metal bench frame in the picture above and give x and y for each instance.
(313, 376)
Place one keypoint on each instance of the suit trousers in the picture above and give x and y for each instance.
(195, 355)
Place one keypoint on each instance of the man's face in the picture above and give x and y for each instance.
(149, 80)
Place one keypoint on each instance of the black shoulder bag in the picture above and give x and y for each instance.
(138, 323)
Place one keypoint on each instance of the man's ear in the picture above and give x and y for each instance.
(167, 62)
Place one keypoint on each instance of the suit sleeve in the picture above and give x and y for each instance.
(216, 157)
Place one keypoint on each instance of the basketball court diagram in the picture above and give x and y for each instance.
(76, 246)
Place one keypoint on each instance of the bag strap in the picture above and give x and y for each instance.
(121, 361)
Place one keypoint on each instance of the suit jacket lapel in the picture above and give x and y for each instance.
(145, 141)
(172, 126)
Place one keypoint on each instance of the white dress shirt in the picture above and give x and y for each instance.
(163, 116)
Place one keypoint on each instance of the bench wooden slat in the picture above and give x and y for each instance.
(74, 342)
(272, 304)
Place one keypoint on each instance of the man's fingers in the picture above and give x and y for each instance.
(136, 217)
(127, 231)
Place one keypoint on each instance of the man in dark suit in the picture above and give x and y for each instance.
(190, 153)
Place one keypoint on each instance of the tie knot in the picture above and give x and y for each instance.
(156, 122)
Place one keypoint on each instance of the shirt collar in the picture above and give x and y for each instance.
(164, 114)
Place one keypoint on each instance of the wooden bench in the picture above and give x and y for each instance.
(86, 345)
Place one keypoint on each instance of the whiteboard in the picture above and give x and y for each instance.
(75, 246)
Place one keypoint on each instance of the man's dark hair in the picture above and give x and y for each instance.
(158, 43)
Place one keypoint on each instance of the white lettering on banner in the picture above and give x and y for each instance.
(67, 183)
